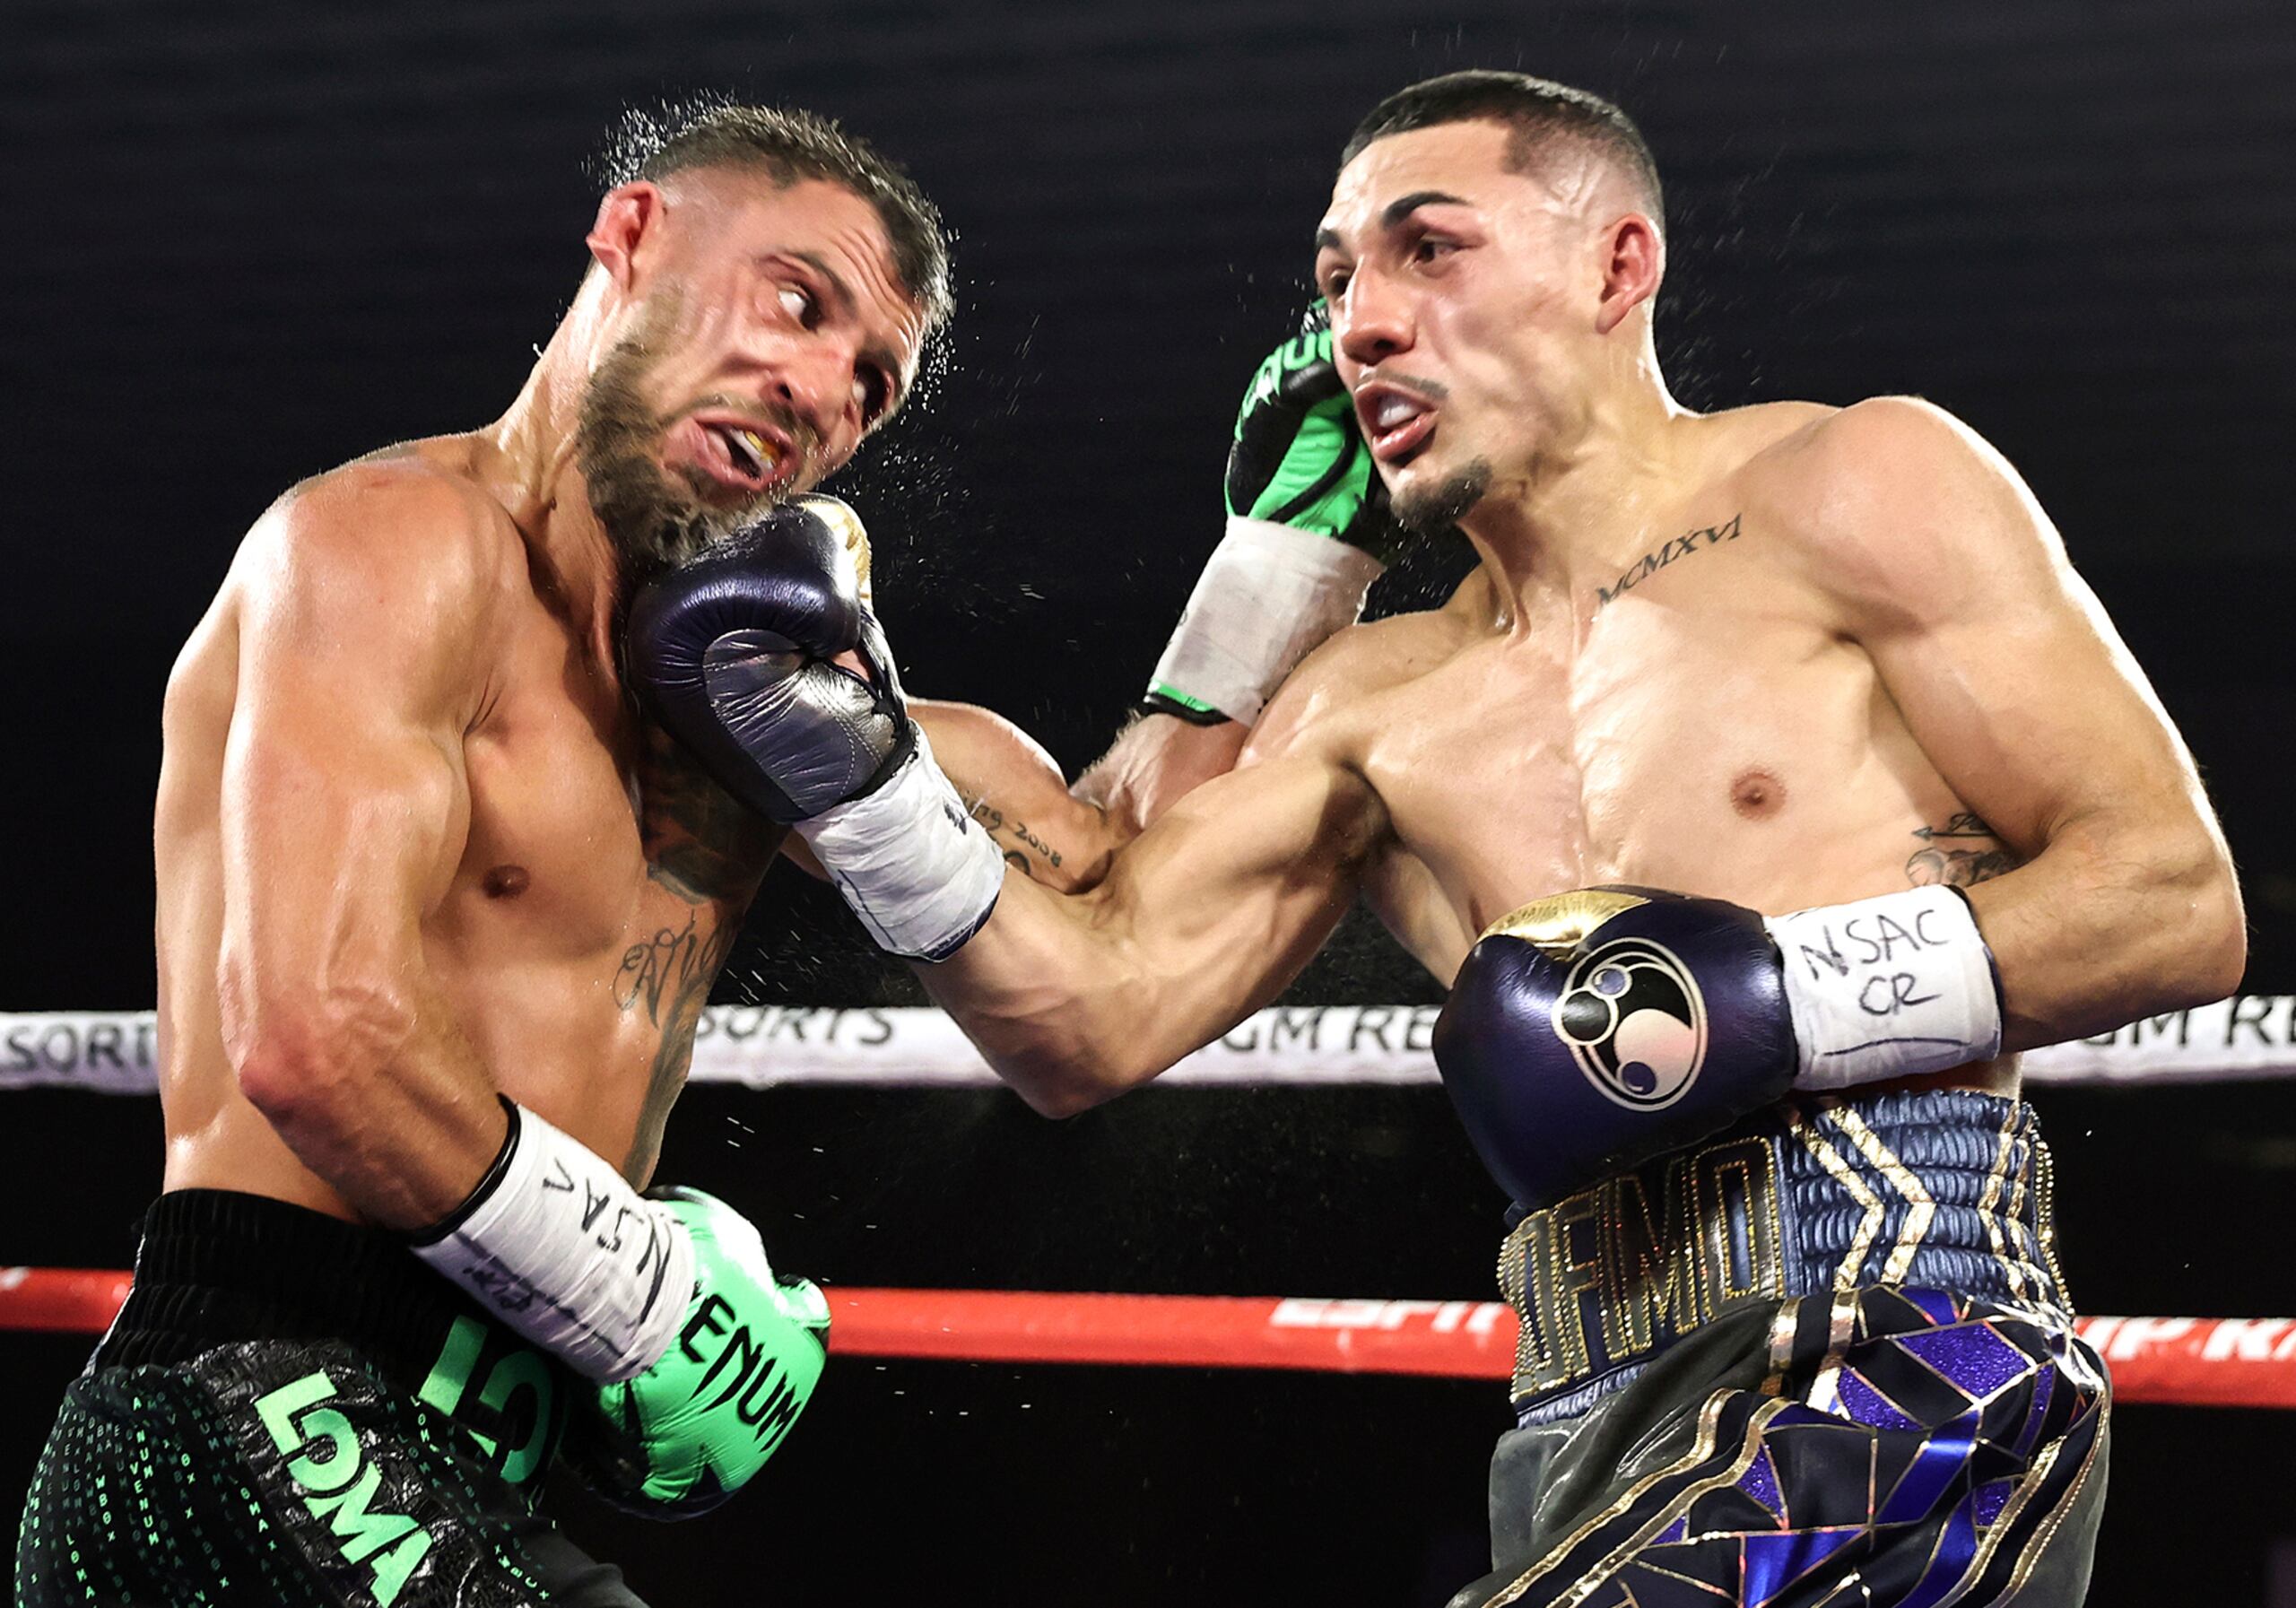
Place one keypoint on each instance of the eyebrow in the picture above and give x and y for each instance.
(1394, 213)
(838, 288)
(1397, 210)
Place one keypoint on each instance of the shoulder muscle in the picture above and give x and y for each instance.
(1905, 516)
(397, 569)
(1313, 711)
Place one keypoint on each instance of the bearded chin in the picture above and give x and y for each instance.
(1433, 510)
(650, 528)
(653, 522)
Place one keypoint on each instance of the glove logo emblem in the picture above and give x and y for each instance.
(1635, 1021)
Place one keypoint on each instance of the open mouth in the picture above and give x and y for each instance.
(1396, 423)
(747, 457)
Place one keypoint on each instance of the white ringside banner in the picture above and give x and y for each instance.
(2248, 1036)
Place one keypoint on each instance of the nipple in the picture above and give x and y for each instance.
(1757, 795)
(505, 881)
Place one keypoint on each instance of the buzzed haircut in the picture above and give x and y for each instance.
(789, 145)
(1537, 112)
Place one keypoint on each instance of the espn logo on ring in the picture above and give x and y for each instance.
(1635, 1023)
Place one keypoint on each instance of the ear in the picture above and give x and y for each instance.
(629, 216)
(1634, 260)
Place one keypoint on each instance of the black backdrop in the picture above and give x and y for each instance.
(247, 241)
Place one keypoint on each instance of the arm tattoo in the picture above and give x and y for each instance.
(1678, 547)
(1017, 840)
(699, 842)
(1937, 862)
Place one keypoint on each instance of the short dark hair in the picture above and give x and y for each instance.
(1537, 111)
(790, 145)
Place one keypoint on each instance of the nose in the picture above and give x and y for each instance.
(812, 379)
(1372, 319)
(799, 380)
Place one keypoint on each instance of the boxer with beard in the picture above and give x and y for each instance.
(437, 914)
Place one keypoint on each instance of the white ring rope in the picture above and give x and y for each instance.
(2248, 1036)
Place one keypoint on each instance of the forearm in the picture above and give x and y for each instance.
(2120, 917)
(1014, 789)
(1201, 920)
(375, 1090)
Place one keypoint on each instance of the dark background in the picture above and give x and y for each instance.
(247, 242)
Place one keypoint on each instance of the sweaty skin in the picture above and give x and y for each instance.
(413, 844)
(1787, 655)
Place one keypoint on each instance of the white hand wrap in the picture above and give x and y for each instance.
(1888, 987)
(556, 1244)
(1269, 596)
(920, 872)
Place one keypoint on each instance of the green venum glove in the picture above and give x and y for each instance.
(684, 1435)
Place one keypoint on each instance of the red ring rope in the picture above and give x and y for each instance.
(2189, 1361)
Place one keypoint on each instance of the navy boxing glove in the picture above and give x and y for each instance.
(731, 651)
(731, 654)
(1590, 1032)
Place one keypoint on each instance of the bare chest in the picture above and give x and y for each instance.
(553, 861)
(601, 885)
(1711, 739)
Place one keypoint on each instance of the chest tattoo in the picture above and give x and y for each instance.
(699, 843)
(668, 977)
(707, 850)
(1677, 547)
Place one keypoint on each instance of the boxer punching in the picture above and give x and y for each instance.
(438, 913)
(1771, 782)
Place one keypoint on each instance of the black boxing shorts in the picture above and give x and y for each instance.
(1823, 1358)
(292, 1411)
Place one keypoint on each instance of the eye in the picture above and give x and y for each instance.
(800, 304)
(1429, 249)
(872, 391)
(1334, 284)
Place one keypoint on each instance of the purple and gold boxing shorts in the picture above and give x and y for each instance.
(1822, 1360)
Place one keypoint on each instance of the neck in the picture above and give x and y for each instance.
(526, 460)
(1560, 516)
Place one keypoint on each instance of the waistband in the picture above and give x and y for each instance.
(216, 1267)
(1942, 1189)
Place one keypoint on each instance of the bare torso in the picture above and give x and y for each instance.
(1704, 729)
(598, 886)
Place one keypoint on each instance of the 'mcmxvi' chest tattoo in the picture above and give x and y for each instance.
(1651, 563)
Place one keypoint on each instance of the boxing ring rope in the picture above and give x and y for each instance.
(2189, 1361)
(2248, 1036)
(2193, 1361)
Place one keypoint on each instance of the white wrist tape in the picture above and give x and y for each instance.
(1268, 597)
(558, 1245)
(920, 872)
(1888, 987)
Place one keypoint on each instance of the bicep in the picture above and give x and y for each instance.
(344, 803)
(2010, 678)
(1220, 903)
(1201, 918)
